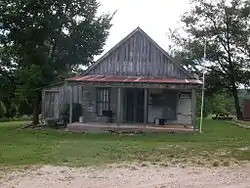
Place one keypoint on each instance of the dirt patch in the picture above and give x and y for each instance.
(129, 177)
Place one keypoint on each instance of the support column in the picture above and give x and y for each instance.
(135, 94)
(85, 103)
(43, 106)
(193, 108)
(118, 115)
(145, 106)
(79, 94)
(70, 104)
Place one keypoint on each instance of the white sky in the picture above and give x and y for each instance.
(154, 17)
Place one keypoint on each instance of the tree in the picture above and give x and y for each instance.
(12, 110)
(49, 38)
(225, 25)
(3, 110)
(216, 103)
(7, 75)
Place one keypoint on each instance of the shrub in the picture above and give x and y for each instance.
(12, 110)
(4, 119)
(3, 109)
(24, 107)
(77, 112)
(64, 114)
(52, 123)
(25, 118)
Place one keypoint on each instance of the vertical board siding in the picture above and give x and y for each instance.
(55, 98)
(138, 56)
(184, 111)
(52, 101)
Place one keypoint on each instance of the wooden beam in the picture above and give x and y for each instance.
(135, 93)
(193, 107)
(118, 116)
(51, 91)
(145, 106)
(139, 85)
(70, 105)
(43, 104)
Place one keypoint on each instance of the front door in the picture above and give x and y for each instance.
(135, 105)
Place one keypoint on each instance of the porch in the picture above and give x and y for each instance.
(128, 128)
(133, 102)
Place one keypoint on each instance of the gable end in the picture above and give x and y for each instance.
(138, 55)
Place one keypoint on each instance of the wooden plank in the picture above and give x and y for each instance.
(52, 91)
(80, 94)
(70, 105)
(135, 106)
(137, 43)
(193, 107)
(43, 104)
(145, 106)
(56, 105)
(141, 85)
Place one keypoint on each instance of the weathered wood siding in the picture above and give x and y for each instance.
(184, 111)
(183, 108)
(52, 100)
(55, 98)
(166, 109)
(138, 56)
(89, 104)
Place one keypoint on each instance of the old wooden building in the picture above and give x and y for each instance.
(136, 82)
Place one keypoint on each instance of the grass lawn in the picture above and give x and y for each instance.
(244, 123)
(219, 144)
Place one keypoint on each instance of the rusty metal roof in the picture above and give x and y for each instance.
(132, 79)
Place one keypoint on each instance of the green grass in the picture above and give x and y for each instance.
(244, 123)
(219, 143)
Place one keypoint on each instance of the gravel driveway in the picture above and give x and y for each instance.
(129, 177)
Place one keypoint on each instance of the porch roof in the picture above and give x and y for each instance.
(133, 79)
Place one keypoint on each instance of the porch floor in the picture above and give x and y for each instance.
(133, 128)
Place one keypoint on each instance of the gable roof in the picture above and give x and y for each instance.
(134, 32)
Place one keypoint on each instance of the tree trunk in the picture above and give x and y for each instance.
(236, 103)
(36, 108)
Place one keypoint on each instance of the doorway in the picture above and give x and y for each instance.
(134, 100)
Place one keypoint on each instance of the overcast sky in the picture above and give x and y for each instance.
(154, 17)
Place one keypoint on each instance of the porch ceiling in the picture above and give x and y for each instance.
(132, 79)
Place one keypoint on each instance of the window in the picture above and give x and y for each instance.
(102, 100)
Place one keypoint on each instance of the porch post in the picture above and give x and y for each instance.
(70, 104)
(193, 107)
(135, 95)
(43, 105)
(145, 106)
(118, 116)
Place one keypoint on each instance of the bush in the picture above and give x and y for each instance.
(3, 109)
(55, 124)
(25, 118)
(4, 119)
(77, 112)
(12, 110)
(24, 107)
(22, 118)
(64, 114)
(52, 123)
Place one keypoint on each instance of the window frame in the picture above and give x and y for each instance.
(103, 100)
